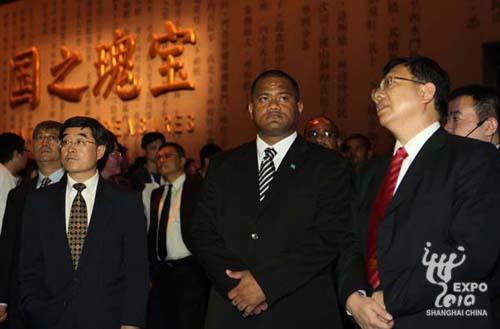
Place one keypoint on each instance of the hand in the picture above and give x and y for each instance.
(3, 313)
(247, 295)
(129, 327)
(368, 313)
(378, 296)
(258, 310)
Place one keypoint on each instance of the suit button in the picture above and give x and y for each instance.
(254, 236)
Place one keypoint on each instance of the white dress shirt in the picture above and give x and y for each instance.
(54, 177)
(88, 195)
(7, 183)
(281, 149)
(412, 147)
(176, 249)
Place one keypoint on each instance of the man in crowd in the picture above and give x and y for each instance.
(148, 173)
(179, 287)
(268, 222)
(13, 159)
(47, 156)
(207, 152)
(358, 149)
(321, 130)
(83, 259)
(425, 218)
(473, 111)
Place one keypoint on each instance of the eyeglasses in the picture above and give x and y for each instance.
(79, 143)
(48, 138)
(317, 134)
(388, 82)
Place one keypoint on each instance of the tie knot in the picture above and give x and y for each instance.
(401, 153)
(270, 153)
(45, 181)
(79, 187)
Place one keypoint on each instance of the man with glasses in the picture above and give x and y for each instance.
(46, 152)
(322, 131)
(425, 218)
(179, 287)
(83, 259)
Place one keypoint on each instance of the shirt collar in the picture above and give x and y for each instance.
(54, 177)
(89, 183)
(178, 182)
(414, 145)
(281, 147)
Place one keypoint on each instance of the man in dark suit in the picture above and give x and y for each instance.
(425, 219)
(474, 111)
(268, 222)
(46, 152)
(179, 287)
(83, 260)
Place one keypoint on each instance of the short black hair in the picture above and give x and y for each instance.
(426, 70)
(365, 140)
(150, 137)
(277, 74)
(10, 142)
(208, 151)
(47, 125)
(178, 148)
(100, 134)
(486, 99)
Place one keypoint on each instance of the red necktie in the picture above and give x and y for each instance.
(382, 200)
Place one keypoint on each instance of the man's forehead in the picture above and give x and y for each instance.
(399, 70)
(269, 84)
(48, 131)
(320, 124)
(81, 131)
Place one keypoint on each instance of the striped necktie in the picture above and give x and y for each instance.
(266, 172)
(45, 181)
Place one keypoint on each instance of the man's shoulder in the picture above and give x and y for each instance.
(235, 154)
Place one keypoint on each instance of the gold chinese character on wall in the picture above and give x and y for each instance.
(24, 84)
(60, 71)
(114, 64)
(168, 53)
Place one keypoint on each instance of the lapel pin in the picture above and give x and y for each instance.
(292, 166)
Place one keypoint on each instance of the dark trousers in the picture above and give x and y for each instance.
(179, 295)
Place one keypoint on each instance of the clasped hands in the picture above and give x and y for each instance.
(247, 296)
(369, 312)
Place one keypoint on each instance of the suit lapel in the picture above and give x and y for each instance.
(283, 177)
(60, 236)
(100, 213)
(247, 174)
(420, 165)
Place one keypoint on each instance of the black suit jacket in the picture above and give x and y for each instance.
(190, 192)
(110, 286)
(287, 242)
(9, 239)
(450, 197)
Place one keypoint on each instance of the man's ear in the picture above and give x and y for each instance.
(101, 149)
(300, 106)
(490, 126)
(427, 92)
(250, 109)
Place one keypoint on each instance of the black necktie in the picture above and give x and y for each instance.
(161, 240)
